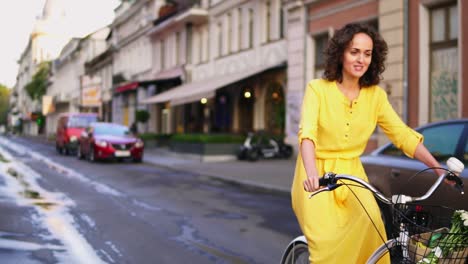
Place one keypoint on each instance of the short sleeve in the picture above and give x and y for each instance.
(309, 114)
(402, 136)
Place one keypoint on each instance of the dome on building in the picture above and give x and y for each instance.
(53, 9)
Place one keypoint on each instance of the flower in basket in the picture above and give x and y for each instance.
(452, 244)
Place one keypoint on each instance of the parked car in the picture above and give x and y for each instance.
(262, 145)
(111, 141)
(392, 172)
(69, 128)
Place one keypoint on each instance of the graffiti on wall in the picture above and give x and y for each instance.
(444, 84)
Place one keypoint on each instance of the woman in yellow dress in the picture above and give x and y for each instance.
(339, 114)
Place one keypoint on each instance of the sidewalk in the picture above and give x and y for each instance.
(270, 174)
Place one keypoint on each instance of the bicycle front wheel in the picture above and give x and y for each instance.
(390, 247)
(298, 254)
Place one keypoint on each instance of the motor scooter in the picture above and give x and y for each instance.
(261, 145)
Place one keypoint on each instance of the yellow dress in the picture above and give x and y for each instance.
(335, 224)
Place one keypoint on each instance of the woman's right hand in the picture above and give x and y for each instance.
(311, 184)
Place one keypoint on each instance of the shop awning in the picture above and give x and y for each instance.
(126, 87)
(195, 91)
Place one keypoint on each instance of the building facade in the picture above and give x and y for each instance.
(70, 88)
(235, 73)
(44, 44)
(423, 76)
(131, 56)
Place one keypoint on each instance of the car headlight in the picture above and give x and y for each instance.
(139, 144)
(101, 143)
(73, 138)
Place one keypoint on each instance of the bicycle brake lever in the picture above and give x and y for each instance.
(459, 188)
(329, 187)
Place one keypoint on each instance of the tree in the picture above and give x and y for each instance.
(4, 103)
(37, 87)
(142, 116)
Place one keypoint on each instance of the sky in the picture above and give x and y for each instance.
(17, 20)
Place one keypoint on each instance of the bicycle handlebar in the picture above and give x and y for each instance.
(330, 180)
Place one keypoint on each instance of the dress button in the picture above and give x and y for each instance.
(347, 124)
(346, 135)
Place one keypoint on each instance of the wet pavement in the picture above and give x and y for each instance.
(171, 202)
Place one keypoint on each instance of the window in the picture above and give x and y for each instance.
(321, 42)
(444, 94)
(189, 45)
(281, 24)
(163, 57)
(239, 21)
(177, 49)
(441, 141)
(267, 21)
(251, 27)
(220, 39)
(229, 33)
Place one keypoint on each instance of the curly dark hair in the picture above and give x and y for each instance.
(340, 41)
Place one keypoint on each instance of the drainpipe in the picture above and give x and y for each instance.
(405, 60)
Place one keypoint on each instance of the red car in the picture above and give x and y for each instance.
(109, 141)
(69, 128)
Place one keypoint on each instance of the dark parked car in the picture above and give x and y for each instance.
(109, 141)
(392, 172)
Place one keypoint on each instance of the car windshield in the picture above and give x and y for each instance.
(81, 121)
(113, 130)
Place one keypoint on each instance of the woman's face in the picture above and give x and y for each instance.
(357, 56)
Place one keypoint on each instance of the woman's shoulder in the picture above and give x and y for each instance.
(320, 84)
(376, 90)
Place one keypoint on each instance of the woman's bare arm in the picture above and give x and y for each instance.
(422, 154)
(308, 158)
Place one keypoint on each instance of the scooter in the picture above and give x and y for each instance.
(260, 145)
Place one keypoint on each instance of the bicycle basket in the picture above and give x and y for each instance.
(425, 237)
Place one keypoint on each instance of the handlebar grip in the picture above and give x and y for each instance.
(323, 181)
(458, 181)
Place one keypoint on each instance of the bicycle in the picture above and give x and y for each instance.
(410, 222)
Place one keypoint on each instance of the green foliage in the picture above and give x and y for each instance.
(4, 103)
(208, 138)
(38, 85)
(154, 136)
(142, 116)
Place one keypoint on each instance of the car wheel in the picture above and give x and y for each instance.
(137, 160)
(91, 156)
(253, 154)
(287, 152)
(79, 154)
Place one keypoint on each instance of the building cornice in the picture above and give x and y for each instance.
(192, 15)
(130, 13)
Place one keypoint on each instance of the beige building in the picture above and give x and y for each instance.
(70, 88)
(44, 44)
(235, 77)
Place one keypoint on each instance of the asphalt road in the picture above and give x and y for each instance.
(58, 209)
